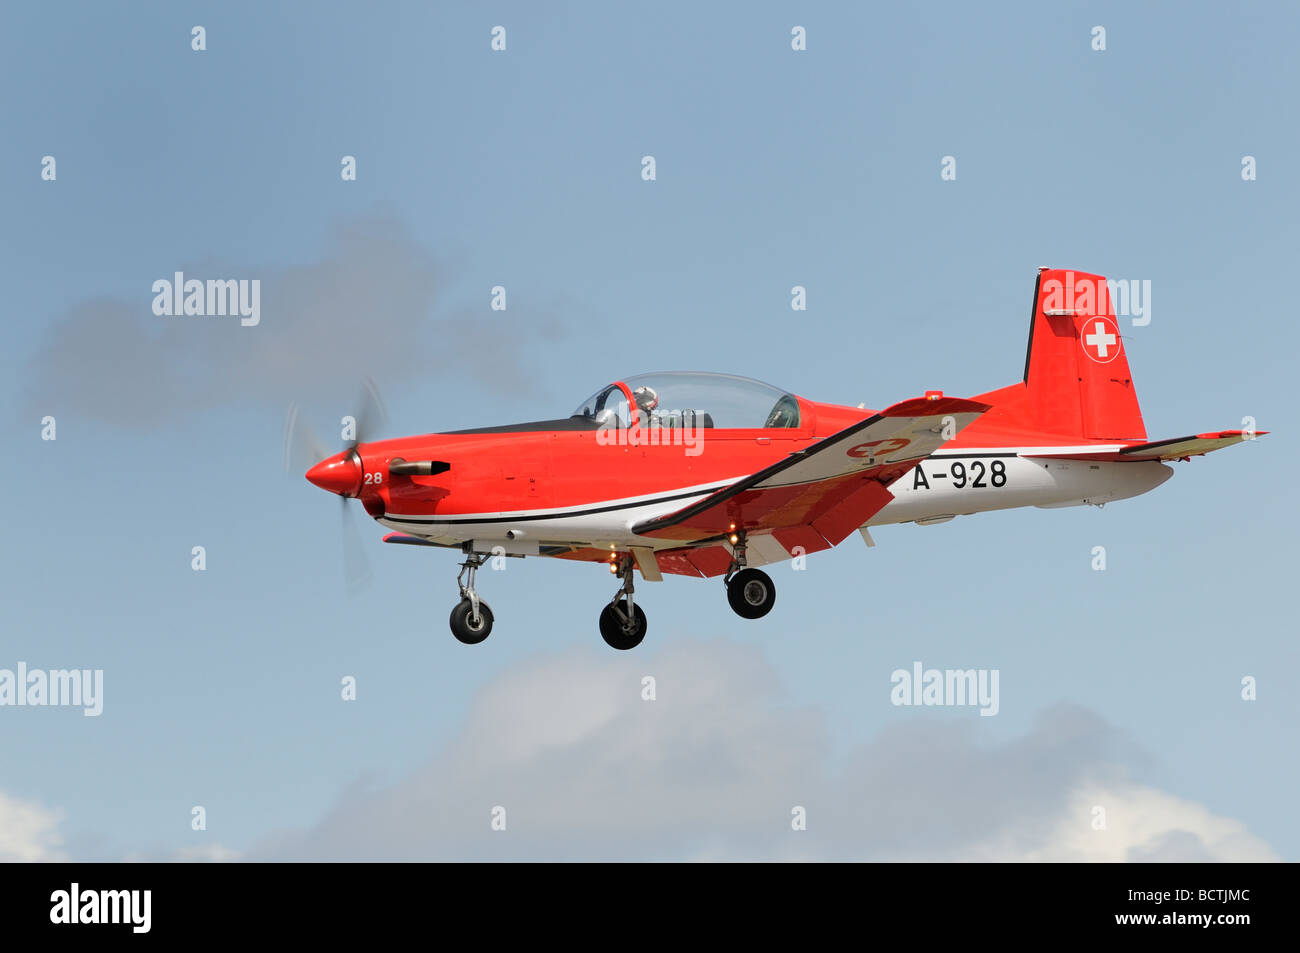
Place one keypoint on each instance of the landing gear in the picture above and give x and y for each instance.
(750, 592)
(471, 620)
(466, 627)
(620, 628)
(622, 622)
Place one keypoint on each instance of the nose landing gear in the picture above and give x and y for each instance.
(622, 622)
(471, 619)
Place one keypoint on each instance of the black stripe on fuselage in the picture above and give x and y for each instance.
(956, 454)
(460, 520)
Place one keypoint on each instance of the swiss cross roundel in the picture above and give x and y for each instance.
(1100, 339)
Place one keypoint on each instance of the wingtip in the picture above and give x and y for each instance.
(1221, 434)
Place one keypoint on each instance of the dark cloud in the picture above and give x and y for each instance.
(368, 307)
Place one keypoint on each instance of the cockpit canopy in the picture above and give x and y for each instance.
(692, 399)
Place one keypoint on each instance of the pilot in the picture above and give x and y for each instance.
(646, 399)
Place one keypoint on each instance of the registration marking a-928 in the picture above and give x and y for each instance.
(975, 475)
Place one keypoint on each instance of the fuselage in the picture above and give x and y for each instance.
(521, 490)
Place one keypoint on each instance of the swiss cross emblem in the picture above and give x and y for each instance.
(877, 448)
(1100, 339)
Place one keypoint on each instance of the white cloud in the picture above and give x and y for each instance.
(710, 771)
(588, 770)
(1144, 824)
(28, 832)
(202, 853)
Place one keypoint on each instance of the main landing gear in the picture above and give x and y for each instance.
(750, 592)
(622, 623)
(471, 620)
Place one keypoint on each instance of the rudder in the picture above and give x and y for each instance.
(1077, 378)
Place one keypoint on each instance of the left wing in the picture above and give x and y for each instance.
(819, 495)
(407, 540)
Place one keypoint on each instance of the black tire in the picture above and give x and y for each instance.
(613, 631)
(462, 625)
(751, 593)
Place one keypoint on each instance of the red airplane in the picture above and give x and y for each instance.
(712, 475)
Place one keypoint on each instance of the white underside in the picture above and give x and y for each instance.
(1043, 482)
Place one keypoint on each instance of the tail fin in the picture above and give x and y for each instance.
(1077, 379)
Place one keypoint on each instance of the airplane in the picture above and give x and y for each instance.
(706, 475)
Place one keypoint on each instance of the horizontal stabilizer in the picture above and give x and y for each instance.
(1178, 448)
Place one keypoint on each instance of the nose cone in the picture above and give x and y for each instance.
(339, 474)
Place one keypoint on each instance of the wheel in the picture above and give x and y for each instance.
(751, 593)
(463, 625)
(616, 634)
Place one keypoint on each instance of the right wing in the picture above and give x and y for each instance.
(827, 490)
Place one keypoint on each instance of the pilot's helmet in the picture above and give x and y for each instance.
(646, 398)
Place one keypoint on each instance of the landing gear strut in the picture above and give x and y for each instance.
(471, 620)
(622, 623)
(750, 592)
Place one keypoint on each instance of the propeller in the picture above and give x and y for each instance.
(371, 412)
(303, 449)
(356, 565)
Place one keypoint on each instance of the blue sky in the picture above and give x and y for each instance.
(522, 168)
